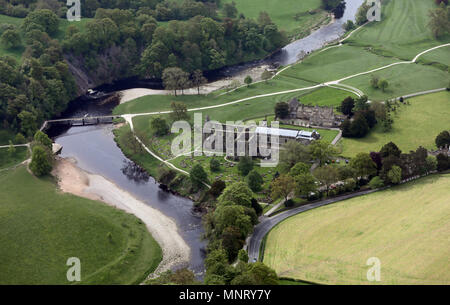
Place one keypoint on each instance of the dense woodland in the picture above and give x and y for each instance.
(124, 38)
(40, 86)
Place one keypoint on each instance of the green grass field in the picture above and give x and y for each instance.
(403, 31)
(406, 227)
(403, 79)
(63, 24)
(414, 125)
(359, 54)
(41, 228)
(252, 109)
(7, 160)
(336, 63)
(282, 12)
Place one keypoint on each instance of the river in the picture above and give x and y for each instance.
(96, 152)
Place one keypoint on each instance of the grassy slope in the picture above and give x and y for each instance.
(162, 102)
(330, 65)
(7, 161)
(403, 80)
(15, 53)
(414, 125)
(406, 227)
(281, 12)
(63, 24)
(403, 31)
(336, 63)
(59, 226)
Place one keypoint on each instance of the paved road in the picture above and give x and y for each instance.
(267, 223)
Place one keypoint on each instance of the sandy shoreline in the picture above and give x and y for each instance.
(255, 73)
(72, 179)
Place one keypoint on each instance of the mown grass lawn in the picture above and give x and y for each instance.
(7, 160)
(415, 125)
(41, 228)
(406, 227)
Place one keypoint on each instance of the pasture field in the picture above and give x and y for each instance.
(405, 227)
(6, 160)
(251, 109)
(403, 31)
(403, 79)
(42, 228)
(414, 125)
(336, 63)
(360, 53)
(283, 12)
(325, 96)
(152, 103)
(441, 56)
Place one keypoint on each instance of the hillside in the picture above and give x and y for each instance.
(42, 228)
(406, 227)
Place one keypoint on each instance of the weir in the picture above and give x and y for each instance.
(84, 121)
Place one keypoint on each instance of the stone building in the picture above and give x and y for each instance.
(307, 116)
(251, 140)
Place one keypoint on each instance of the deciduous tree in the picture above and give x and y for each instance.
(41, 163)
(254, 181)
(322, 151)
(11, 39)
(305, 184)
(443, 139)
(198, 175)
(238, 193)
(179, 111)
(159, 127)
(245, 165)
(327, 175)
(248, 80)
(198, 80)
(281, 110)
(363, 165)
(395, 174)
(282, 187)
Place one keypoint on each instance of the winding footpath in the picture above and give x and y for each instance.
(333, 84)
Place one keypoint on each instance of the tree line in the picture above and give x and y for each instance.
(41, 86)
(117, 43)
